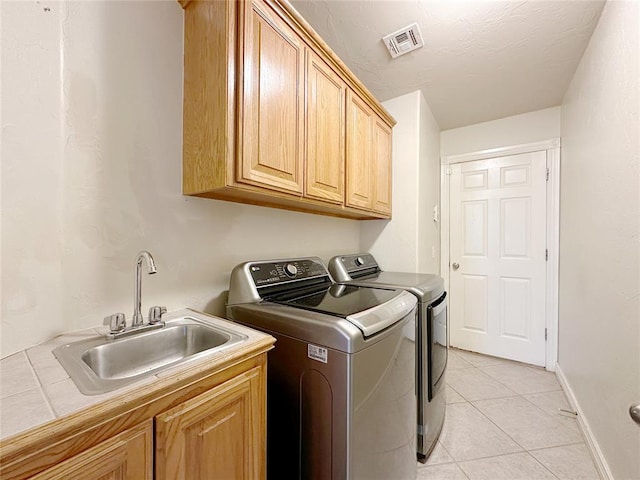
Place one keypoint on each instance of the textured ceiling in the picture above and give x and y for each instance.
(482, 59)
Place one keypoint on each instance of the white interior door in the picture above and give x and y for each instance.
(497, 256)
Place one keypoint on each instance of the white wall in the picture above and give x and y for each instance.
(31, 155)
(599, 344)
(91, 174)
(525, 128)
(395, 242)
(428, 191)
(405, 243)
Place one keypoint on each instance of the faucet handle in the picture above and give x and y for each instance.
(116, 322)
(155, 314)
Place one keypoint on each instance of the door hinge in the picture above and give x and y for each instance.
(546, 254)
(547, 174)
(545, 334)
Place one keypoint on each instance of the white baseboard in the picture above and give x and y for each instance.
(592, 444)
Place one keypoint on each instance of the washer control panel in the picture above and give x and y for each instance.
(358, 262)
(272, 273)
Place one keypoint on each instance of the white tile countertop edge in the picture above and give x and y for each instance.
(36, 389)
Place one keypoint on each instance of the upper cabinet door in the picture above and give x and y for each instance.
(382, 171)
(272, 116)
(325, 131)
(359, 149)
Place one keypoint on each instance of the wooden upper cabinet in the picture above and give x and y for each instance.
(382, 191)
(217, 435)
(272, 138)
(209, 105)
(359, 132)
(127, 456)
(325, 120)
(273, 117)
(368, 158)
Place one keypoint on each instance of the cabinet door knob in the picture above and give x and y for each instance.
(634, 411)
(455, 265)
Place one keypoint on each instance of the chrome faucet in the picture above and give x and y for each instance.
(137, 319)
(117, 322)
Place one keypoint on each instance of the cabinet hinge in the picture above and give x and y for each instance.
(448, 171)
(547, 174)
(546, 254)
(545, 334)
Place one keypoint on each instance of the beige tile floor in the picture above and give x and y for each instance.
(503, 423)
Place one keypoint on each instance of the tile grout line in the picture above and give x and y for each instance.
(505, 433)
(495, 380)
(41, 387)
(536, 406)
(465, 398)
(462, 470)
(494, 424)
(491, 421)
(557, 446)
(526, 452)
(517, 393)
(541, 464)
(521, 396)
(501, 383)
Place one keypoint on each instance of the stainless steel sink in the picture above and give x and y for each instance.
(98, 365)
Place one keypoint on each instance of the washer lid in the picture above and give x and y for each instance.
(362, 269)
(426, 286)
(370, 309)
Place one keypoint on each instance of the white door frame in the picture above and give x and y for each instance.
(552, 148)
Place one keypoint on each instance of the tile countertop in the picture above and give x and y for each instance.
(36, 389)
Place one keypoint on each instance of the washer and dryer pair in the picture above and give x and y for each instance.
(343, 379)
(431, 335)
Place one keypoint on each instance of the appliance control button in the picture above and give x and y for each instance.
(359, 261)
(291, 270)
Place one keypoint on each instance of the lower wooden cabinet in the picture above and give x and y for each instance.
(209, 426)
(127, 456)
(216, 435)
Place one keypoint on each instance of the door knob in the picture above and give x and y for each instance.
(455, 265)
(634, 411)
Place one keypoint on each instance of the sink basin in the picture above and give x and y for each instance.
(98, 365)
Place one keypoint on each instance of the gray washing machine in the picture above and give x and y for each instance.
(341, 400)
(431, 338)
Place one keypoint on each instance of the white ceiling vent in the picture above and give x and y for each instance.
(404, 40)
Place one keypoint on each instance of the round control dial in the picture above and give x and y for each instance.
(359, 261)
(290, 270)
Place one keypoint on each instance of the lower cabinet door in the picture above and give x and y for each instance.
(219, 434)
(127, 456)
